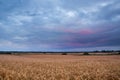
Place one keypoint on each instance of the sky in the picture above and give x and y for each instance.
(59, 25)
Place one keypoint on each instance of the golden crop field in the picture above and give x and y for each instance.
(59, 67)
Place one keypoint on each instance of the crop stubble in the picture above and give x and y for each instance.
(59, 67)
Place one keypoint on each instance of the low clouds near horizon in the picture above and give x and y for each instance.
(59, 25)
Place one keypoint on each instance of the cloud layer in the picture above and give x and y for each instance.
(59, 25)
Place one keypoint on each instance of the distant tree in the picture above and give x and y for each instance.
(112, 51)
(119, 53)
(96, 51)
(103, 51)
(85, 53)
(44, 52)
(64, 53)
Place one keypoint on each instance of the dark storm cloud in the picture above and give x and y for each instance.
(109, 11)
(59, 24)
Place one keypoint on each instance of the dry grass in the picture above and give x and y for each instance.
(59, 67)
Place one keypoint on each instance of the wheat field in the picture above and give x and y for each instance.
(59, 67)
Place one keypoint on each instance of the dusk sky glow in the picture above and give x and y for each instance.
(59, 25)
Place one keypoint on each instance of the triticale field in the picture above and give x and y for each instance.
(59, 67)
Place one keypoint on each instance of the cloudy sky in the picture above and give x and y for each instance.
(59, 25)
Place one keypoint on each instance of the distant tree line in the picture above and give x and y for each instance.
(62, 53)
(5, 52)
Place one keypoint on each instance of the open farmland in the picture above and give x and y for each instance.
(59, 67)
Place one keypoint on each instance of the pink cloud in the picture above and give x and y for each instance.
(87, 31)
(79, 31)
